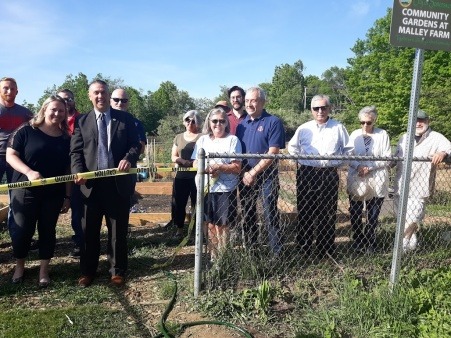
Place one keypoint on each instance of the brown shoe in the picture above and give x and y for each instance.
(118, 280)
(85, 281)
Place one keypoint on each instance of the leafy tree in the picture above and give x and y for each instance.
(334, 81)
(292, 119)
(287, 85)
(168, 104)
(203, 105)
(313, 86)
(380, 74)
(436, 90)
(169, 101)
(79, 85)
(266, 86)
(221, 97)
(33, 108)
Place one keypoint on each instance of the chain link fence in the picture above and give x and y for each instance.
(297, 221)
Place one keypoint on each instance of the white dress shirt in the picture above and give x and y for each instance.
(327, 139)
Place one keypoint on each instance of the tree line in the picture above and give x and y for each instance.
(377, 74)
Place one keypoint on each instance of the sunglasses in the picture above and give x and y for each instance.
(69, 99)
(215, 121)
(116, 99)
(190, 121)
(323, 108)
(368, 123)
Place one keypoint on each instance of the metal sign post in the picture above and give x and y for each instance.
(407, 166)
(200, 181)
(422, 24)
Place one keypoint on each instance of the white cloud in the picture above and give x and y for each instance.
(32, 32)
(359, 9)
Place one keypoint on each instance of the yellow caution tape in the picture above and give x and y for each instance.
(87, 175)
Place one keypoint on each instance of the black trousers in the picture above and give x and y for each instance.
(182, 189)
(364, 235)
(29, 209)
(106, 201)
(317, 198)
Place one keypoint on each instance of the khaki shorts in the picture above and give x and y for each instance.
(415, 210)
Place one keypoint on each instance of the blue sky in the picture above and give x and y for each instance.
(199, 45)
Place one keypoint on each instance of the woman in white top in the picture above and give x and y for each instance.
(221, 201)
(368, 141)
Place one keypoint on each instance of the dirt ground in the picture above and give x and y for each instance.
(153, 203)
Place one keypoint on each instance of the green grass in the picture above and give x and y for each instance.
(347, 298)
(418, 307)
(76, 321)
(64, 309)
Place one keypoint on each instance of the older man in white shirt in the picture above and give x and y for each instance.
(428, 143)
(317, 180)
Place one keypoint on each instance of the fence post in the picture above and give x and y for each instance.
(200, 179)
(407, 167)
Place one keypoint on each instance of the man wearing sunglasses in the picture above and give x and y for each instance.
(120, 101)
(317, 179)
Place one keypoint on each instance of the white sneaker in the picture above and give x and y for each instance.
(405, 244)
(413, 243)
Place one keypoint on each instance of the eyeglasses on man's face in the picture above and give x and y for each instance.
(190, 121)
(68, 99)
(117, 100)
(216, 121)
(368, 123)
(323, 108)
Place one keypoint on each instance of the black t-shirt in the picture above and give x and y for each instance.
(185, 149)
(49, 155)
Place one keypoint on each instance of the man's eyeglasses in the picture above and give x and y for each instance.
(190, 121)
(116, 99)
(368, 123)
(69, 99)
(215, 121)
(323, 108)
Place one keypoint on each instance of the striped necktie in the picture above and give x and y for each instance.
(102, 147)
(367, 139)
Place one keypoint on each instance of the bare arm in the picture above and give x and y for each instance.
(12, 157)
(262, 165)
(438, 157)
(227, 168)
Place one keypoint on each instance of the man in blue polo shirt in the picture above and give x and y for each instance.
(260, 133)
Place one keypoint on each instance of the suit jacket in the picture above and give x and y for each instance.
(124, 145)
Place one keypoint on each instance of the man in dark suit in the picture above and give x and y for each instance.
(104, 138)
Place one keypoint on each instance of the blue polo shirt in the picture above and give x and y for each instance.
(258, 135)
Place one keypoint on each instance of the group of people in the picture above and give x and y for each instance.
(323, 145)
(59, 141)
(245, 128)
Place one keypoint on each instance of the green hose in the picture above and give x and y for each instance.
(163, 329)
(165, 332)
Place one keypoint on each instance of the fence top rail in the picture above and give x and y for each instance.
(314, 157)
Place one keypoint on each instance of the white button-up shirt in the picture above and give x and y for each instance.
(327, 139)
